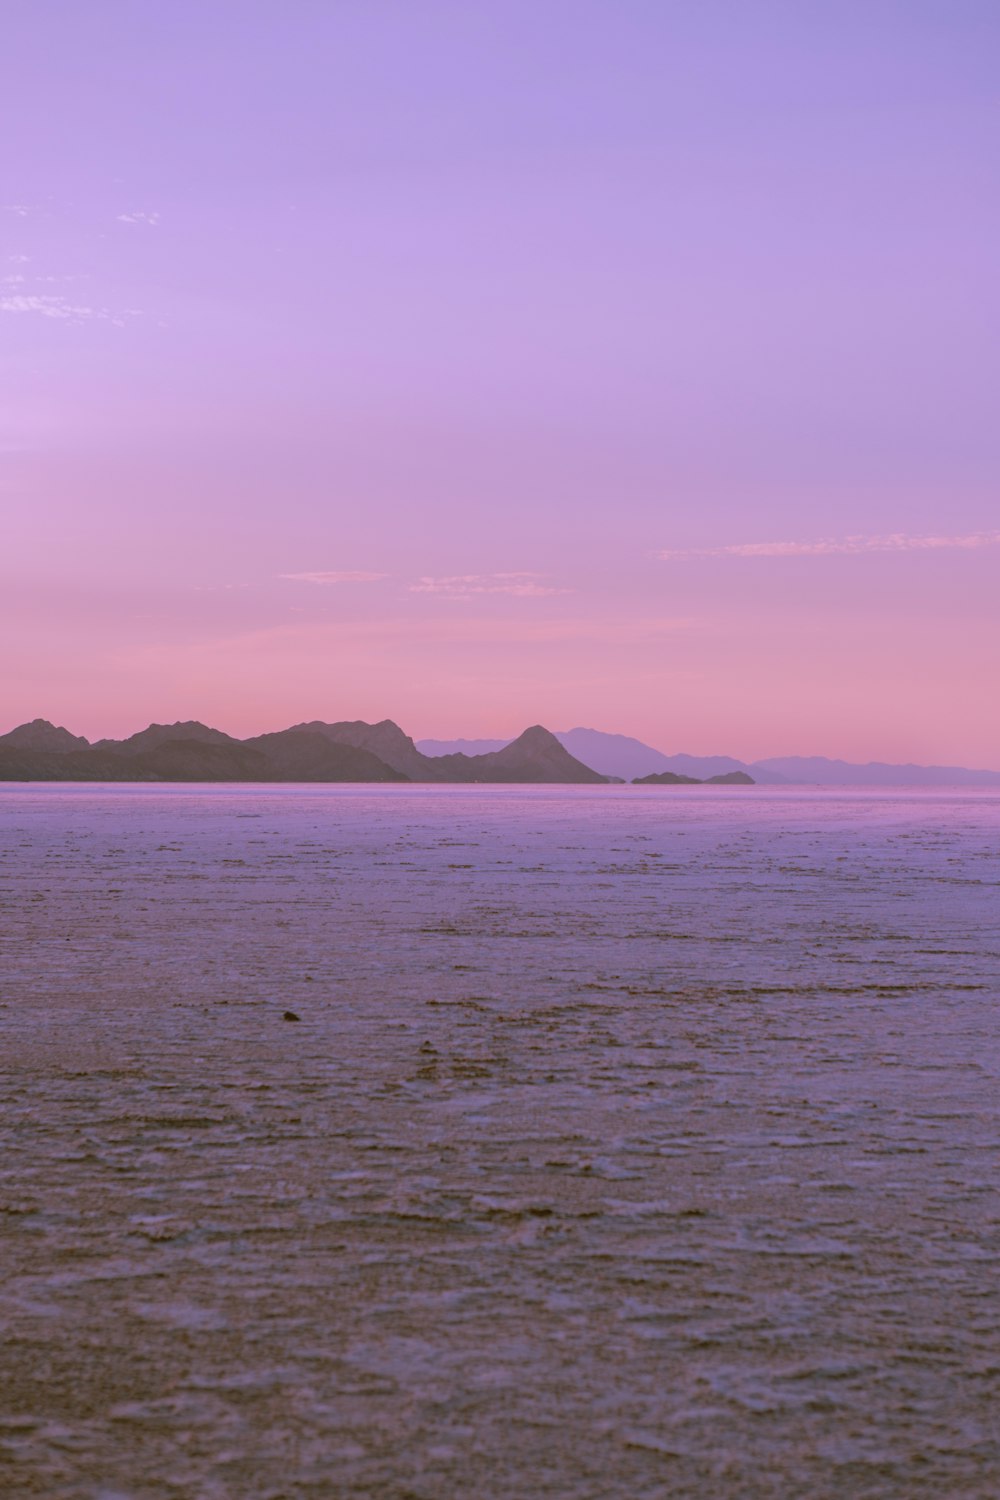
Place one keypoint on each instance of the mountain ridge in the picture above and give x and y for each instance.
(39, 734)
(309, 752)
(622, 755)
(44, 751)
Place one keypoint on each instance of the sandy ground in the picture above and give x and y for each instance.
(630, 1144)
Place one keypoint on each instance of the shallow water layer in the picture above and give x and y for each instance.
(634, 1142)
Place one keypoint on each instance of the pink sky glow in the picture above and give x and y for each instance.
(630, 365)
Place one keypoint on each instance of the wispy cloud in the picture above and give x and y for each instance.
(139, 216)
(341, 577)
(20, 210)
(50, 307)
(58, 308)
(896, 541)
(455, 586)
(466, 585)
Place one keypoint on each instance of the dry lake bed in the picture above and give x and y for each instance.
(631, 1142)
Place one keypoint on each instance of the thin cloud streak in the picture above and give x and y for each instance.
(49, 307)
(467, 585)
(58, 309)
(896, 541)
(335, 577)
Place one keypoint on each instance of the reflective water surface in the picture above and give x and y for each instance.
(634, 1142)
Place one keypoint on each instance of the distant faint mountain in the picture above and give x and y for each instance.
(709, 767)
(614, 754)
(816, 770)
(617, 754)
(620, 755)
(41, 735)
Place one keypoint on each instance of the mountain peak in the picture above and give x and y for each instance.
(385, 740)
(41, 734)
(535, 737)
(536, 755)
(155, 735)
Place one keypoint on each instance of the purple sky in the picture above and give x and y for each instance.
(631, 364)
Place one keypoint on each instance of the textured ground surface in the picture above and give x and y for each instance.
(632, 1143)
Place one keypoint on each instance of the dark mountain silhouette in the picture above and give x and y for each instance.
(385, 740)
(41, 735)
(300, 755)
(199, 760)
(535, 756)
(436, 748)
(286, 756)
(74, 765)
(161, 734)
(42, 751)
(666, 778)
(346, 751)
(175, 760)
(671, 778)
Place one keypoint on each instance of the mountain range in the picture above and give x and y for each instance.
(621, 756)
(315, 751)
(352, 750)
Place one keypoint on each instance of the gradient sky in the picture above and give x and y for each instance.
(625, 364)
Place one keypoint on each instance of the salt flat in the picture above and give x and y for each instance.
(632, 1142)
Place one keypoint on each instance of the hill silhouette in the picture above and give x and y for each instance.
(385, 740)
(672, 778)
(160, 734)
(617, 755)
(43, 751)
(666, 778)
(315, 752)
(535, 756)
(41, 735)
(300, 755)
